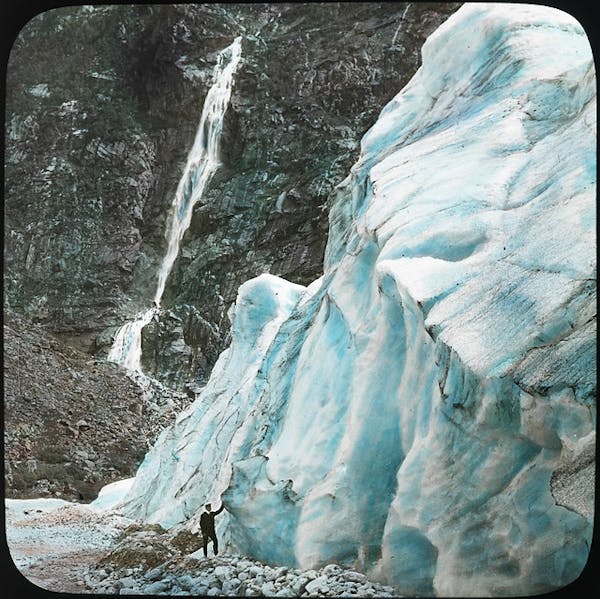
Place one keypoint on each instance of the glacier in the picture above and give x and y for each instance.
(424, 411)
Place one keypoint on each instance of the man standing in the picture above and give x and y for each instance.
(207, 526)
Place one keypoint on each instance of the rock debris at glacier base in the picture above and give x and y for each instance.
(425, 411)
(73, 548)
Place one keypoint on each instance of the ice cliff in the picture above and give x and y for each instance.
(425, 410)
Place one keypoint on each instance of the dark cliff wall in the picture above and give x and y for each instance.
(102, 108)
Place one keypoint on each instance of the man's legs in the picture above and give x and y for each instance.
(215, 543)
(205, 543)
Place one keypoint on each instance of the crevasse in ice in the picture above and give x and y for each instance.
(425, 411)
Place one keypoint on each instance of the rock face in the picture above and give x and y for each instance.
(72, 424)
(424, 411)
(55, 444)
(97, 138)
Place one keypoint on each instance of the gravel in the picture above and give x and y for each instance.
(67, 547)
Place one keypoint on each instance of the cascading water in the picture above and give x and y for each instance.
(203, 159)
(202, 163)
(127, 346)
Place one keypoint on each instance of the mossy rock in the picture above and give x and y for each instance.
(186, 541)
(139, 527)
(149, 556)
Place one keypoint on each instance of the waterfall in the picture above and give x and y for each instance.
(202, 163)
(203, 160)
(127, 346)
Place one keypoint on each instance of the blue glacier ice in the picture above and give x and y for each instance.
(425, 411)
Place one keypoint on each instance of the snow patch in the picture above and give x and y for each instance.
(111, 495)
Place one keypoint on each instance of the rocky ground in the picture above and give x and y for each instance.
(72, 423)
(67, 547)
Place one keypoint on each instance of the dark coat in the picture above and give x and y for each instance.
(207, 521)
